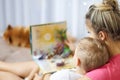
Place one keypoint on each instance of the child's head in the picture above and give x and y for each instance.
(90, 54)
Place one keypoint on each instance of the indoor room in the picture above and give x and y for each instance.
(59, 39)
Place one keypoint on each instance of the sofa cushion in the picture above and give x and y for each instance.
(9, 53)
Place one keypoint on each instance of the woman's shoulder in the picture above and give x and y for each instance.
(98, 74)
(115, 57)
(103, 73)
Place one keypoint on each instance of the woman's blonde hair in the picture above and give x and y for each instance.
(105, 17)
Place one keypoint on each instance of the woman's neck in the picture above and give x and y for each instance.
(114, 47)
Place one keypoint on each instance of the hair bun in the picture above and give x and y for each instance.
(112, 3)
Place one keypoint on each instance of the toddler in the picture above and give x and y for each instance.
(89, 54)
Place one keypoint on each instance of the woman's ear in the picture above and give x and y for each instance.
(102, 35)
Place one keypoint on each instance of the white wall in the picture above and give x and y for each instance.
(30, 12)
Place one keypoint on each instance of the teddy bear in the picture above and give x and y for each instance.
(17, 36)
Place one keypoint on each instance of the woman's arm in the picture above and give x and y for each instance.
(47, 77)
(21, 69)
(9, 76)
(71, 41)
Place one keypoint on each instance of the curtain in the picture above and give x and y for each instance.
(31, 12)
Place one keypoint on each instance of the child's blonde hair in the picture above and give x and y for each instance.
(92, 53)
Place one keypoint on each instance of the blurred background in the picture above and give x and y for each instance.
(32, 12)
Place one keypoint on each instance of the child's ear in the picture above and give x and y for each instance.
(9, 27)
(78, 62)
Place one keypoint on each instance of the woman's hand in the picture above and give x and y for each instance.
(43, 77)
(71, 45)
(71, 41)
(37, 77)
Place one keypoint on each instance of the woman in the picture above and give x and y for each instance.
(103, 22)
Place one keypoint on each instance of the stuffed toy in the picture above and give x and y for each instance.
(17, 36)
